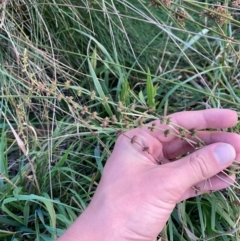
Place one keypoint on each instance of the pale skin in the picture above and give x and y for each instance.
(136, 195)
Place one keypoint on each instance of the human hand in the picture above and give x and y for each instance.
(136, 195)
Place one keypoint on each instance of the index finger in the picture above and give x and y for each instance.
(197, 120)
(202, 119)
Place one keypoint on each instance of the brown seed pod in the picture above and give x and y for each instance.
(145, 148)
(182, 132)
(114, 119)
(119, 132)
(105, 122)
(193, 132)
(168, 121)
(140, 122)
(84, 110)
(197, 189)
(152, 127)
(166, 132)
(93, 115)
(67, 84)
(133, 139)
(158, 3)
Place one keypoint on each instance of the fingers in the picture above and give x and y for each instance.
(201, 165)
(178, 147)
(218, 182)
(211, 118)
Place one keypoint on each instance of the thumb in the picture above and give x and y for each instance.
(204, 163)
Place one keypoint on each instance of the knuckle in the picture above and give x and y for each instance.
(199, 165)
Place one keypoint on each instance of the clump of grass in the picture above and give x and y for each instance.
(76, 75)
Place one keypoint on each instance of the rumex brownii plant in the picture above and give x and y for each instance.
(76, 75)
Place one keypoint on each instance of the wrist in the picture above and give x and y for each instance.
(98, 222)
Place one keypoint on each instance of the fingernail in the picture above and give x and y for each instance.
(224, 154)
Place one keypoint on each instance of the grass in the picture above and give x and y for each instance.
(74, 73)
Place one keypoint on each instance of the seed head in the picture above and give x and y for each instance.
(105, 122)
(236, 4)
(180, 16)
(53, 87)
(126, 124)
(60, 97)
(105, 100)
(79, 92)
(74, 106)
(114, 119)
(152, 127)
(67, 84)
(93, 95)
(140, 122)
(218, 13)
(193, 132)
(158, 3)
(133, 139)
(69, 99)
(120, 106)
(84, 110)
(165, 120)
(145, 148)
(93, 115)
(119, 132)
(182, 133)
(166, 132)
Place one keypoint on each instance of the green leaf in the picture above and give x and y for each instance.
(98, 159)
(124, 94)
(26, 212)
(194, 39)
(94, 59)
(99, 89)
(150, 90)
(141, 97)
